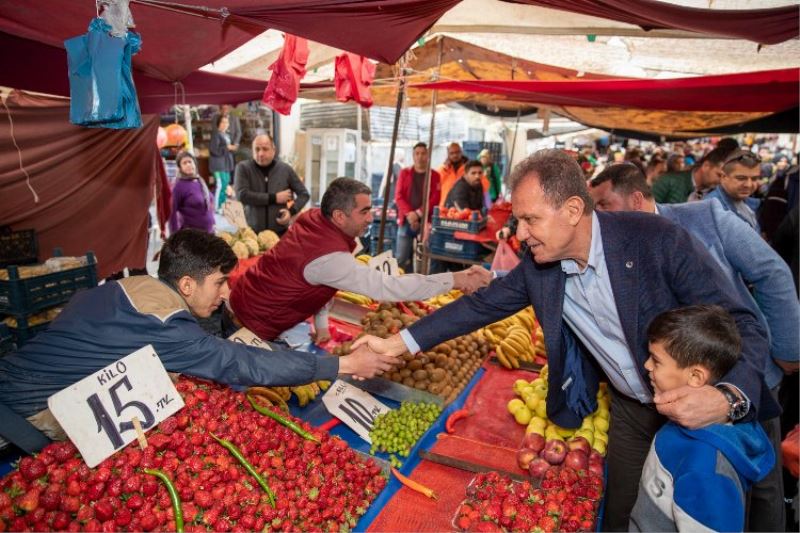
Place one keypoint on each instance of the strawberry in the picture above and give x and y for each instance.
(50, 500)
(547, 524)
(60, 521)
(70, 504)
(158, 441)
(93, 525)
(31, 468)
(135, 502)
(168, 426)
(463, 523)
(29, 501)
(104, 509)
(95, 491)
(203, 499)
(132, 484)
(5, 499)
(108, 526)
(122, 517)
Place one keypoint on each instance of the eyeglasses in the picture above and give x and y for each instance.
(743, 156)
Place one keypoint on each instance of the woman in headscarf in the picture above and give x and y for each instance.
(192, 203)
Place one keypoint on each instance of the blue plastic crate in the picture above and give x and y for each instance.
(6, 341)
(24, 332)
(469, 226)
(26, 296)
(445, 243)
(389, 229)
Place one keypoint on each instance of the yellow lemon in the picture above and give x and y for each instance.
(514, 404)
(522, 416)
(600, 423)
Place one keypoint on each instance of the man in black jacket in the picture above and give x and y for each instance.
(467, 193)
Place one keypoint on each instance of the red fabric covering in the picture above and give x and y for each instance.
(163, 194)
(354, 75)
(764, 91)
(273, 295)
(94, 185)
(765, 26)
(287, 71)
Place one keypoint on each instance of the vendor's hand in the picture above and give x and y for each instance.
(232, 147)
(363, 363)
(230, 192)
(284, 217)
(503, 233)
(693, 407)
(321, 335)
(413, 220)
(283, 196)
(471, 279)
(393, 346)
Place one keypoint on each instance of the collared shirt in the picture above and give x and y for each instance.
(591, 312)
(745, 213)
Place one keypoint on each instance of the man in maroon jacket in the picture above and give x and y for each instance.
(299, 275)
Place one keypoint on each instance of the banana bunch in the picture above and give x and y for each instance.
(358, 299)
(516, 338)
(444, 299)
(307, 393)
(363, 258)
(272, 396)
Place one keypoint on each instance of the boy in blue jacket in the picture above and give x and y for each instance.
(696, 480)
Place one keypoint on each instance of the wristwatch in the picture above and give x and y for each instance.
(737, 406)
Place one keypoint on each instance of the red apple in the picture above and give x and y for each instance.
(596, 457)
(534, 441)
(554, 452)
(524, 457)
(597, 469)
(580, 444)
(577, 460)
(538, 467)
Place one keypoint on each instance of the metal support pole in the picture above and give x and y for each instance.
(513, 144)
(187, 123)
(401, 92)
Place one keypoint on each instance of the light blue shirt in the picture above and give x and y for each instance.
(591, 313)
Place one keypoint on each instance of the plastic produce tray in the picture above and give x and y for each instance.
(25, 296)
(445, 243)
(23, 332)
(469, 226)
(18, 247)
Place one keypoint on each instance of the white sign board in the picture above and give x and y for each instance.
(354, 407)
(385, 263)
(245, 336)
(234, 213)
(97, 411)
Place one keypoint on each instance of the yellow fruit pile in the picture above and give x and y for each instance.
(278, 396)
(444, 299)
(513, 340)
(529, 408)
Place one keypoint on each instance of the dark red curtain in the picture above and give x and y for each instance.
(94, 185)
(765, 91)
(765, 26)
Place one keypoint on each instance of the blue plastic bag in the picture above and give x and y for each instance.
(101, 80)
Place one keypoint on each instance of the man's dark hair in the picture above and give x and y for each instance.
(626, 179)
(217, 119)
(728, 144)
(560, 177)
(341, 194)
(194, 253)
(715, 157)
(672, 162)
(472, 163)
(698, 335)
(420, 145)
(746, 158)
(654, 161)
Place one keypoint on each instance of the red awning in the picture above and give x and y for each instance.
(765, 91)
(765, 26)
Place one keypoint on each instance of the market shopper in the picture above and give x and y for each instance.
(192, 202)
(740, 179)
(492, 178)
(220, 160)
(692, 184)
(101, 325)
(763, 281)
(297, 277)
(595, 281)
(266, 185)
(693, 347)
(467, 193)
(451, 170)
(409, 195)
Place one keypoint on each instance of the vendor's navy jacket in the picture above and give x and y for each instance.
(104, 324)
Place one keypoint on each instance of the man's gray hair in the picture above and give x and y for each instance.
(559, 175)
(341, 194)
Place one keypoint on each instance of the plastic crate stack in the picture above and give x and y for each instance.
(389, 230)
(443, 240)
(30, 302)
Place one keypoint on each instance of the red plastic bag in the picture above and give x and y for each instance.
(504, 257)
(790, 448)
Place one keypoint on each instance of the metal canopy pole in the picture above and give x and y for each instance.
(426, 260)
(389, 174)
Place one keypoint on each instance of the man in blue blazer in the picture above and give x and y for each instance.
(741, 177)
(747, 260)
(595, 281)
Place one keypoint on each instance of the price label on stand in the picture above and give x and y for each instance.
(233, 211)
(385, 263)
(97, 412)
(245, 336)
(354, 407)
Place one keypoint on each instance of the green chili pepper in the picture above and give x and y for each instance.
(246, 464)
(173, 496)
(283, 421)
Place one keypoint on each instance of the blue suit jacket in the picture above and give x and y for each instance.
(654, 266)
(727, 203)
(747, 259)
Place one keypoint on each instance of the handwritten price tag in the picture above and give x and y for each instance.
(385, 263)
(97, 412)
(233, 211)
(354, 407)
(245, 336)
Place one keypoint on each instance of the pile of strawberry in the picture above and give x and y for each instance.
(317, 486)
(496, 503)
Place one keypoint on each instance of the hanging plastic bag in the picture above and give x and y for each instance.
(504, 258)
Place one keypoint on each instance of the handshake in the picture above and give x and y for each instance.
(372, 356)
(471, 279)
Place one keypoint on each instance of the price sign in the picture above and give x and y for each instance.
(245, 336)
(97, 412)
(354, 407)
(385, 263)
(233, 211)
